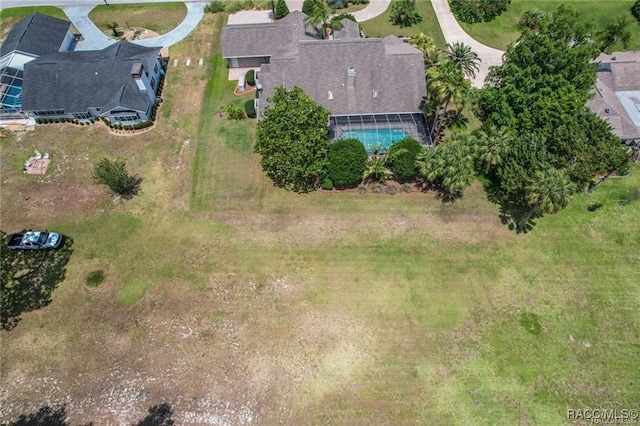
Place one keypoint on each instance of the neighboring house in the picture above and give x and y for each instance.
(28, 39)
(43, 77)
(369, 85)
(617, 94)
(119, 82)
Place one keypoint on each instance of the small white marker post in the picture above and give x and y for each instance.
(200, 61)
(175, 62)
(188, 61)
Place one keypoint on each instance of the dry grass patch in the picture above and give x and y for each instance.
(158, 17)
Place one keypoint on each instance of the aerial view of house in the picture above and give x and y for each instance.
(332, 212)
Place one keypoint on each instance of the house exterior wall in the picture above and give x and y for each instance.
(250, 62)
(67, 42)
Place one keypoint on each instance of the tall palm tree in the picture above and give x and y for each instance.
(321, 16)
(446, 84)
(614, 31)
(448, 165)
(464, 58)
(548, 192)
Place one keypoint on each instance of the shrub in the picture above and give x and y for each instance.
(95, 278)
(635, 10)
(472, 11)
(338, 4)
(624, 170)
(281, 9)
(234, 7)
(345, 163)
(309, 6)
(214, 6)
(403, 13)
(404, 165)
(235, 112)
(250, 109)
(250, 77)
(114, 175)
(327, 184)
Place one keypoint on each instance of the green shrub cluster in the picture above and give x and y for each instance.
(95, 278)
(327, 185)
(235, 112)
(472, 11)
(404, 164)
(635, 10)
(216, 6)
(345, 163)
(250, 78)
(250, 108)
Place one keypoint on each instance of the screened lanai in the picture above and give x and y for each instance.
(10, 92)
(379, 131)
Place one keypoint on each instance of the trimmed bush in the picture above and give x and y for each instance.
(281, 9)
(345, 163)
(250, 109)
(309, 6)
(250, 78)
(327, 184)
(404, 165)
(235, 112)
(472, 11)
(338, 4)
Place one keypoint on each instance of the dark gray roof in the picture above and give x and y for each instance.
(349, 30)
(265, 39)
(76, 81)
(389, 75)
(618, 79)
(37, 34)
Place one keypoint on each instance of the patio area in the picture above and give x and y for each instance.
(37, 165)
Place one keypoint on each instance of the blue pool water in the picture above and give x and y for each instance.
(372, 139)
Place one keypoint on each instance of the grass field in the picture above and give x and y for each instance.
(503, 30)
(234, 301)
(382, 27)
(158, 17)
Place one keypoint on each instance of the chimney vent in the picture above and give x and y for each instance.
(136, 70)
(351, 77)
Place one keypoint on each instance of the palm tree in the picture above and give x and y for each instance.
(446, 84)
(321, 16)
(464, 58)
(377, 167)
(448, 165)
(532, 19)
(548, 192)
(614, 32)
(492, 146)
(113, 26)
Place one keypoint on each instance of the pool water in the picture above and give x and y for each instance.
(372, 139)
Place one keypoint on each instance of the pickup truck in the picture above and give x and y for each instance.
(34, 240)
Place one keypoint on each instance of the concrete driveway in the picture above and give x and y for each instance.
(373, 9)
(95, 39)
(453, 32)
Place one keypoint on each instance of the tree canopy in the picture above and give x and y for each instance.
(403, 13)
(345, 162)
(292, 140)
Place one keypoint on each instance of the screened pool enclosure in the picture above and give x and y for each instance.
(380, 131)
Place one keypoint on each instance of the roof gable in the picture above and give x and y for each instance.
(37, 34)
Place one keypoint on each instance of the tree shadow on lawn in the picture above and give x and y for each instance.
(512, 209)
(28, 278)
(442, 195)
(46, 415)
(159, 415)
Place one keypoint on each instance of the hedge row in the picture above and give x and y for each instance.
(472, 11)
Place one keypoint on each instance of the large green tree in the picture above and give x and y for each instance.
(542, 88)
(548, 192)
(403, 13)
(292, 140)
(345, 163)
(113, 174)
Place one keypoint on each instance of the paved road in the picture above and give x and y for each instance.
(453, 32)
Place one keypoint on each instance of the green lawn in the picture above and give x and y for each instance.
(382, 27)
(503, 30)
(158, 17)
(229, 299)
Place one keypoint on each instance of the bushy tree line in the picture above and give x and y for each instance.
(472, 11)
(549, 144)
(635, 10)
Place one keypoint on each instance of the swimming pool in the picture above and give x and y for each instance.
(372, 139)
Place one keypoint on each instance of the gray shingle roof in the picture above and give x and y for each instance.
(617, 77)
(349, 30)
(389, 75)
(265, 39)
(37, 34)
(76, 81)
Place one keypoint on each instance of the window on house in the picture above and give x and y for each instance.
(126, 118)
(82, 115)
(153, 83)
(49, 113)
(155, 68)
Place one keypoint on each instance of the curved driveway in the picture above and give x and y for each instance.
(453, 32)
(373, 9)
(95, 39)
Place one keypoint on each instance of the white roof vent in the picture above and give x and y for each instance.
(330, 95)
(375, 94)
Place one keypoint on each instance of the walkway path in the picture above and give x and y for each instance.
(453, 32)
(373, 9)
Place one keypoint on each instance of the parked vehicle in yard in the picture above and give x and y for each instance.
(34, 240)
